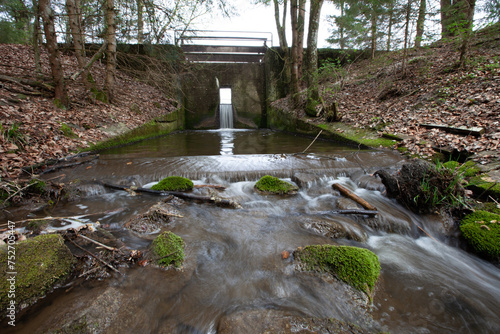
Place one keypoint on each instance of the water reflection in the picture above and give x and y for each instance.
(226, 142)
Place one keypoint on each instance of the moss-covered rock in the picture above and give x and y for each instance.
(484, 187)
(168, 248)
(39, 262)
(358, 267)
(273, 185)
(174, 183)
(481, 229)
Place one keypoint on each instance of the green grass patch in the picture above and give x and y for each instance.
(358, 267)
(273, 185)
(174, 183)
(168, 248)
(39, 262)
(481, 229)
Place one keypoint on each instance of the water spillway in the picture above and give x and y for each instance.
(233, 256)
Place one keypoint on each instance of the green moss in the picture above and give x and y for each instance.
(491, 207)
(467, 169)
(168, 248)
(481, 229)
(271, 184)
(484, 188)
(358, 267)
(38, 187)
(59, 104)
(67, 131)
(39, 262)
(174, 183)
(99, 95)
(36, 226)
(148, 130)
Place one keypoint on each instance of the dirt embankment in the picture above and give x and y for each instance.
(33, 129)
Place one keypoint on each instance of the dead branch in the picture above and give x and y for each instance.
(91, 61)
(214, 186)
(95, 257)
(206, 199)
(347, 193)
(97, 242)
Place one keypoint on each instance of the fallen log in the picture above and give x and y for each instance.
(347, 193)
(213, 199)
(462, 130)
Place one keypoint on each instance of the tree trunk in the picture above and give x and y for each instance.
(36, 37)
(389, 33)
(111, 51)
(341, 28)
(76, 33)
(420, 23)
(294, 79)
(140, 22)
(300, 38)
(373, 33)
(445, 18)
(407, 25)
(281, 24)
(312, 44)
(469, 6)
(312, 57)
(55, 63)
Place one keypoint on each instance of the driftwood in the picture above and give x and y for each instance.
(206, 199)
(347, 193)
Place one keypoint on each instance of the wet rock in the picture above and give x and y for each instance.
(335, 230)
(347, 204)
(275, 321)
(153, 220)
(303, 180)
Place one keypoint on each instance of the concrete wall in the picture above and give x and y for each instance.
(200, 89)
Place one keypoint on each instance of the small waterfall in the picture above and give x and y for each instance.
(226, 116)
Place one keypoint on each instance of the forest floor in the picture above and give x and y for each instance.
(379, 94)
(376, 94)
(33, 129)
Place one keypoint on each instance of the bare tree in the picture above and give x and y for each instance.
(47, 15)
(111, 50)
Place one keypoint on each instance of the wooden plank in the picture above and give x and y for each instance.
(462, 130)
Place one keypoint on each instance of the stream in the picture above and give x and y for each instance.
(428, 284)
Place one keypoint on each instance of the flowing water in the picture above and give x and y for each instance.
(233, 262)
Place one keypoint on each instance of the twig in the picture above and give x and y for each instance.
(312, 141)
(430, 236)
(96, 257)
(160, 258)
(97, 242)
(14, 194)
